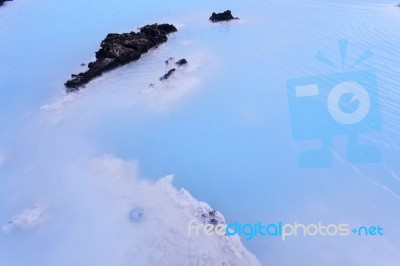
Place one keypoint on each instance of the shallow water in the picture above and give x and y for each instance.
(221, 125)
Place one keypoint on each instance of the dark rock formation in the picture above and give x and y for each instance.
(213, 221)
(119, 49)
(224, 16)
(2, 2)
(212, 217)
(181, 62)
(168, 74)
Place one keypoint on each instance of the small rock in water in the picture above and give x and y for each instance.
(224, 16)
(136, 214)
(181, 62)
(168, 74)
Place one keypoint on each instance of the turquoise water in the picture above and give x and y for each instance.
(222, 125)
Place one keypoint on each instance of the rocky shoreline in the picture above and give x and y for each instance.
(119, 49)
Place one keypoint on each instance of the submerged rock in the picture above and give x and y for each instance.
(28, 219)
(136, 214)
(169, 60)
(119, 49)
(224, 16)
(181, 62)
(168, 74)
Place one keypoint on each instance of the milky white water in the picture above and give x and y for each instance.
(221, 126)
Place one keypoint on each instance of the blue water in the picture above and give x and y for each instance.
(222, 125)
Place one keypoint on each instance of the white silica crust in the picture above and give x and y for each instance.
(120, 219)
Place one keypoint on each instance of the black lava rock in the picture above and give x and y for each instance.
(2, 2)
(213, 221)
(224, 16)
(168, 74)
(181, 62)
(119, 49)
